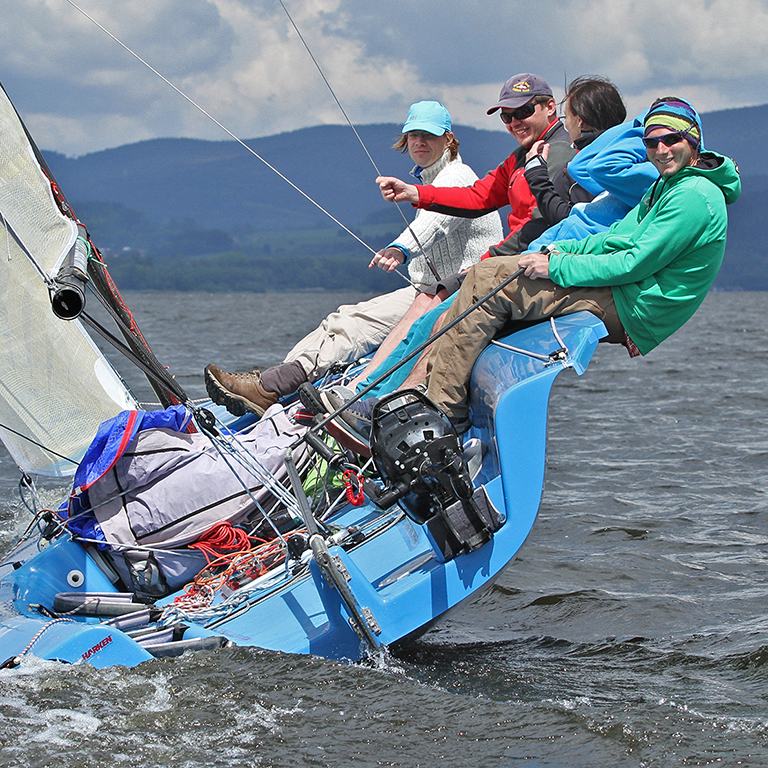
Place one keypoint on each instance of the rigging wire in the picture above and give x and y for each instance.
(39, 445)
(429, 261)
(224, 128)
(333, 93)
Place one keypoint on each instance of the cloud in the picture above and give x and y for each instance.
(241, 60)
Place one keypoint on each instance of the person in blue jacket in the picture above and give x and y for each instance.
(613, 167)
(615, 170)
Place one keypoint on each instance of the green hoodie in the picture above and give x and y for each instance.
(663, 256)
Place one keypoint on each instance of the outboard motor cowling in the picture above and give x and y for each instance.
(419, 456)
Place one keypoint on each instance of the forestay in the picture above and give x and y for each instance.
(55, 385)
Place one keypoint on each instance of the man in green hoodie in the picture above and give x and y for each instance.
(644, 278)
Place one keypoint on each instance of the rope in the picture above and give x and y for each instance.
(10, 231)
(230, 569)
(221, 125)
(238, 454)
(7, 237)
(429, 261)
(222, 538)
(39, 445)
(559, 356)
(39, 634)
(38, 514)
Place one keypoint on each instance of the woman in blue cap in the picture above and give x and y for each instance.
(433, 242)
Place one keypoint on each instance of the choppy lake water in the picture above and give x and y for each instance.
(631, 631)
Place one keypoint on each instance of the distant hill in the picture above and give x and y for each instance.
(220, 184)
(741, 134)
(213, 211)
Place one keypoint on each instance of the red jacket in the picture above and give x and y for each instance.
(506, 185)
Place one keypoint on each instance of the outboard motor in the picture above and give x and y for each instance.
(419, 456)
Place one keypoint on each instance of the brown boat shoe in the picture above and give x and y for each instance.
(240, 393)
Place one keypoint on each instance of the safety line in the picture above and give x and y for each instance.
(221, 125)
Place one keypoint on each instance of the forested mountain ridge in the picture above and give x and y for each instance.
(190, 214)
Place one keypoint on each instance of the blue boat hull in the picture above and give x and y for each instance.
(395, 573)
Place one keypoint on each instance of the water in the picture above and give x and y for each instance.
(631, 631)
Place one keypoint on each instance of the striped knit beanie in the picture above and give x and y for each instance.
(676, 115)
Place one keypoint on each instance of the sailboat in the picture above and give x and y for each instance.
(186, 529)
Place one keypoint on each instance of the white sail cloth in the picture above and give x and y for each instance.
(56, 387)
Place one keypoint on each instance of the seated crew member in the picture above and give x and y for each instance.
(450, 244)
(529, 111)
(592, 105)
(644, 277)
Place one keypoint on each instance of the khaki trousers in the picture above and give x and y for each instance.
(350, 332)
(523, 300)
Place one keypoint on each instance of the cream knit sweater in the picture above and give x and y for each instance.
(453, 243)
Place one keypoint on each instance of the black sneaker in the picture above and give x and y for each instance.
(310, 399)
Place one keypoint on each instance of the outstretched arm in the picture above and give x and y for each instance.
(397, 191)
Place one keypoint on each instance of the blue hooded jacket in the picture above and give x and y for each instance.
(613, 167)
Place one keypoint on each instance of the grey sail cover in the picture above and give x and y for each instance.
(169, 487)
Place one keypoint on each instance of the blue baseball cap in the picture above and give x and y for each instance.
(430, 116)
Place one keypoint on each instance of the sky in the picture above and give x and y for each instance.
(80, 91)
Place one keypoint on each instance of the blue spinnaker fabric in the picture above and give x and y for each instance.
(112, 439)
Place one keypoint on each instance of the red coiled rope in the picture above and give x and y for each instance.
(223, 537)
(355, 494)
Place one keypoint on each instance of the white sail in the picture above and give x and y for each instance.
(56, 387)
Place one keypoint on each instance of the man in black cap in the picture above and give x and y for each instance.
(529, 111)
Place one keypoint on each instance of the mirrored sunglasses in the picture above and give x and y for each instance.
(668, 140)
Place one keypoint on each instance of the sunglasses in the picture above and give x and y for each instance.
(518, 114)
(668, 140)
